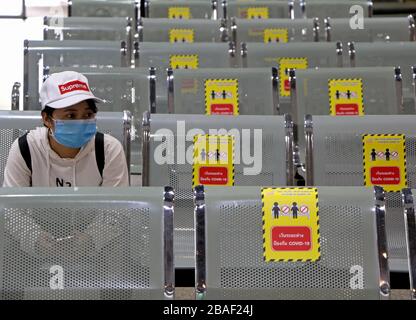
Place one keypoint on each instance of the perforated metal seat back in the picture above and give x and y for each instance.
(108, 243)
(107, 8)
(338, 161)
(172, 30)
(253, 30)
(201, 55)
(260, 55)
(166, 9)
(336, 9)
(258, 9)
(390, 54)
(381, 29)
(235, 266)
(13, 124)
(312, 91)
(82, 28)
(255, 90)
(208, 55)
(70, 53)
(268, 55)
(179, 175)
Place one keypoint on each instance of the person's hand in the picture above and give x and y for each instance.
(46, 244)
(83, 244)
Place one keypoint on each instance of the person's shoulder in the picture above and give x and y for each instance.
(111, 144)
(36, 134)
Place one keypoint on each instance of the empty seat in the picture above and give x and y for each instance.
(344, 91)
(274, 30)
(87, 28)
(255, 9)
(168, 142)
(90, 28)
(107, 8)
(227, 91)
(230, 257)
(103, 243)
(286, 56)
(181, 56)
(181, 9)
(381, 29)
(336, 9)
(180, 30)
(13, 124)
(70, 53)
(338, 151)
(363, 54)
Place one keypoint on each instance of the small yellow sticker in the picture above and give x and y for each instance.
(221, 96)
(384, 161)
(284, 65)
(213, 160)
(276, 35)
(181, 35)
(179, 13)
(346, 97)
(189, 61)
(290, 224)
(258, 13)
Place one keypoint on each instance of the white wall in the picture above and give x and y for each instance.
(12, 34)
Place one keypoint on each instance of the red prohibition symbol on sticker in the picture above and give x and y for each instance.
(304, 209)
(285, 209)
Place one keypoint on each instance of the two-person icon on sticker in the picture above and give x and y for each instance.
(217, 155)
(276, 210)
(386, 154)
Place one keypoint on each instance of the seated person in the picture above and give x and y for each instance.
(66, 152)
(63, 152)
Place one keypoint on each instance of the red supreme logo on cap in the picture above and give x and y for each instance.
(75, 85)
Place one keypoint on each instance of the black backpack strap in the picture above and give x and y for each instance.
(99, 152)
(25, 151)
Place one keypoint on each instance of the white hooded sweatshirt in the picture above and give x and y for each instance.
(50, 170)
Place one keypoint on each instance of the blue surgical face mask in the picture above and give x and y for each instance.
(74, 133)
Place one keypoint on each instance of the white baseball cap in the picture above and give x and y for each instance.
(64, 89)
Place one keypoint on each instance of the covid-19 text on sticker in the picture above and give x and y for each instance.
(384, 161)
(221, 97)
(346, 97)
(213, 160)
(290, 224)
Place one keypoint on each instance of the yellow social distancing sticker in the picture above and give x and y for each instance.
(346, 97)
(213, 160)
(258, 13)
(181, 35)
(179, 13)
(290, 224)
(189, 61)
(221, 96)
(276, 35)
(284, 65)
(384, 161)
